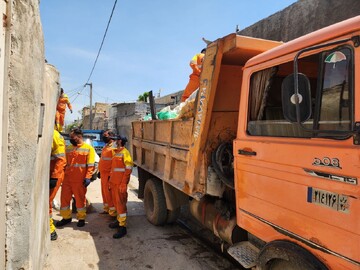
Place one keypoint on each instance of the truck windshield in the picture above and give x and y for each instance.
(330, 73)
(94, 136)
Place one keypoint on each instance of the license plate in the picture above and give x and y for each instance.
(337, 202)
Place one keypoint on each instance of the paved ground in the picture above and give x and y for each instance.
(144, 247)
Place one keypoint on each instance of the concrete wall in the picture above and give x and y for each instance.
(121, 116)
(99, 116)
(301, 18)
(25, 161)
(168, 100)
(4, 112)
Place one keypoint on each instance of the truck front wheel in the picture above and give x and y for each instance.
(278, 255)
(154, 202)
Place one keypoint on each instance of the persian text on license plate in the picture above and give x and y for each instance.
(328, 199)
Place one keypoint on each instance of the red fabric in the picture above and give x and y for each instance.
(70, 188)
(193, 84)
(105, 192)
(119, 196)
(52, 192)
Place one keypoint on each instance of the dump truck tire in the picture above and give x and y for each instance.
(172, 215)
(278, 255)
(154, 202)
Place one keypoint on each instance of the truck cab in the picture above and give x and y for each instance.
(297, 149)
(97, 140)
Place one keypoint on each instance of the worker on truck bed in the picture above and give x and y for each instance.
(80, 159)
(121, 168)
(194, 81)
(57, 164)
(104, 171)
(61, 109)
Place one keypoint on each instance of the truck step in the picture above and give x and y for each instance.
(245, 253)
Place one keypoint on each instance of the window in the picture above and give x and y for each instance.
(330, 75)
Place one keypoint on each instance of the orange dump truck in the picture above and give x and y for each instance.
(271, 160)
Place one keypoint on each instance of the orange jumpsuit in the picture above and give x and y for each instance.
(57, 164)
(104, 169)
(60, 110)
(80, 165)
(121, 168)
(194, 82)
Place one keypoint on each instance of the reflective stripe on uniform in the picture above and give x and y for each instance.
(119, 155)
(91, 164)
(119, 169)
(77, 165)
(86, 150)
(106, 158)
(65, 208)
(83, 150)
(81, 209)
(129, 167)
(57, 156)
(122, 215)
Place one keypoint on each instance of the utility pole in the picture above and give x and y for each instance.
(90, 84)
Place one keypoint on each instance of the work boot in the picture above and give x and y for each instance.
(63, 222)
(53, 236)
(81, 223)
(114, 225)
(120, 233)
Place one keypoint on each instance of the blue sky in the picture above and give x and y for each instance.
(148, 46)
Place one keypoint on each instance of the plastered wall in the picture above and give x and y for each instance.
(27, 128)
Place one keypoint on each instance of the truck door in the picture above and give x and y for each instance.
(292, 182)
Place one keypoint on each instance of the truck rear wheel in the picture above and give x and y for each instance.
(154, 202)
(172, 215)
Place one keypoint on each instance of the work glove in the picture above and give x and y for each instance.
(53, 182)
(98, 175)
(86, 182)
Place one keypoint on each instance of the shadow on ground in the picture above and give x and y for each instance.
(144, 247)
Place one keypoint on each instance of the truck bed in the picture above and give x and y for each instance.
(179, 151)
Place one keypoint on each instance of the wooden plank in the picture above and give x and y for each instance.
(137, 129)
(182, 132)
(163, 131)
(148, 130)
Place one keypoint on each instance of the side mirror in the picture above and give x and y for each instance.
(289, 98)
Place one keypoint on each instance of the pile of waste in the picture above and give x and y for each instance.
(183, 111)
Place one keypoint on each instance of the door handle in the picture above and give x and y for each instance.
(246, 153)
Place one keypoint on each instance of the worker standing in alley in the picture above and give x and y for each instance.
(57, 164)
(194, 81)
(121, 168)
(80, 158)
(61, 109)
(104, 169)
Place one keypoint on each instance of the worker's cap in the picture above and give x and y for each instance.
(122, 138)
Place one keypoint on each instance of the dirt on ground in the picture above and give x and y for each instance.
(144, 247)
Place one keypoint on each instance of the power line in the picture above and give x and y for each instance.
(97, 57)
(102, 42)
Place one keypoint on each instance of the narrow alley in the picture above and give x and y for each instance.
(144, 247)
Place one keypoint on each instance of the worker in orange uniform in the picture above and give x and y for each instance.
(194, 82)
(80, 158)
(121, 168)
(104, 169)
(61, 109)
(57, 164)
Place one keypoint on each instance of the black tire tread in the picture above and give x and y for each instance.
(158, 215)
